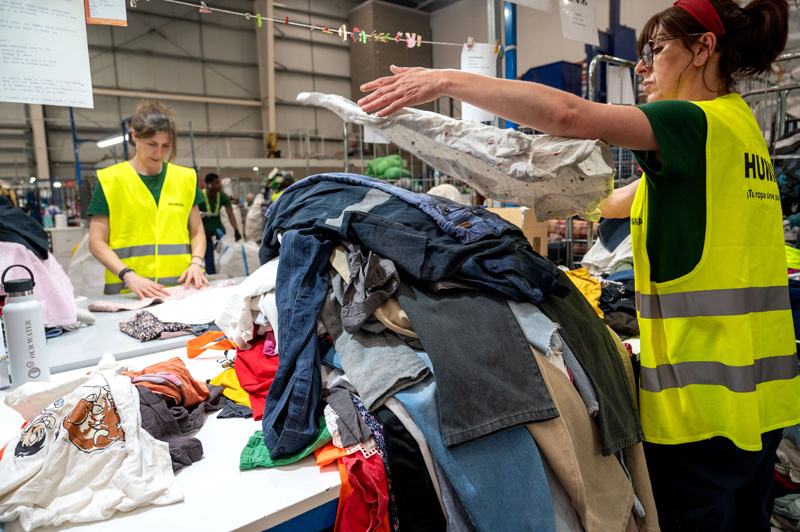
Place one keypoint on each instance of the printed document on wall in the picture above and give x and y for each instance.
(578, 21)
(44, 55)
(480, 59)
(107, 12)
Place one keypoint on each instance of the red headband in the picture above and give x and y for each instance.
(704, 13)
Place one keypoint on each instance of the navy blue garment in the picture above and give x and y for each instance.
(612, 231)
(293, 401)
(464, 223)
(712, 485)
(18, 227)
(502, 263)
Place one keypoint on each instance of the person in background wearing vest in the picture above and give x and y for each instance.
(719, 373)
(213, 199)
(146, 227)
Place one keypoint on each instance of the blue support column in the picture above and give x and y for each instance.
(75, 144)
(510, 12)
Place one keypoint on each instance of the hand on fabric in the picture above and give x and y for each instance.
(237, 235)
(143, 287)
(193, 275)
(794, 220)
(408, 86)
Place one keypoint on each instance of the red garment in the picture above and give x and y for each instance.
(785, 482)
(366, 508)
(189, 393)
(255, 372)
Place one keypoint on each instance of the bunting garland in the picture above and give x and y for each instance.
(410, 40)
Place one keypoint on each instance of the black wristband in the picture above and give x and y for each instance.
(122, 273)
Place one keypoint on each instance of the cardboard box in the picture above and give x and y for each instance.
(524, 218)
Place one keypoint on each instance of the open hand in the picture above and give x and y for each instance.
(193, 275)
(144, 287)
(408, 86)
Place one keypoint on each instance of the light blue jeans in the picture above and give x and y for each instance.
(499, 477)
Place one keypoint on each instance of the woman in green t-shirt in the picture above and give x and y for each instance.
(719, 376)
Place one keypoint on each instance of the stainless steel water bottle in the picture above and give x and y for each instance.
(24, 327)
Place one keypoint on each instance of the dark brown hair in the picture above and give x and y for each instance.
(154, 117)
(754, 35)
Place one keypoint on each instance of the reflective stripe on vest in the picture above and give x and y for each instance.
(730, 302)
(215, 211)
(150, 249)
(717, 344)
(739, 379)
(153, 240)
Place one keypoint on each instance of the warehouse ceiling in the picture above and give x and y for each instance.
(422, 5)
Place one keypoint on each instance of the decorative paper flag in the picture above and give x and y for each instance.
(619, 85)
(107, 12)
(578, 21)
(478, 59)
(541, 5)
(44, 56)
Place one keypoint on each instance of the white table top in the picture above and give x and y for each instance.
(218, 496)
(86, 346)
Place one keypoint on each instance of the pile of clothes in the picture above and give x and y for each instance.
(457, 378)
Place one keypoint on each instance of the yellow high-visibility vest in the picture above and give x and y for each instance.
(718, 350)
(153, 240)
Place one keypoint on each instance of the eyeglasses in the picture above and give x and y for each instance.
(647, 51)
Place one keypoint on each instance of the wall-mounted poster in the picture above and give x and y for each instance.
(44, 56)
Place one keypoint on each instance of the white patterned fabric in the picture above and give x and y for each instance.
(84, 455)
(556, 176)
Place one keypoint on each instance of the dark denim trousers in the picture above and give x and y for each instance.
(487, 377)
(712, 485)
(291, 409)
(209, 258)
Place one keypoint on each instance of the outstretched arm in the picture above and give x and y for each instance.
(543, 108)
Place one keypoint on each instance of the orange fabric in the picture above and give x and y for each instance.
(2, 451)
(328, 453)
(195, 346)
(191, 392)
(344, 492)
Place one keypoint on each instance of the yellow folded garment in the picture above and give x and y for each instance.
(233, 390)
(589, 287)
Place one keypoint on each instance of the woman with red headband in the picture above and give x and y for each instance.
(719, 376)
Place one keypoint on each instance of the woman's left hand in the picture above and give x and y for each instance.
(193, 275)
(408, 86)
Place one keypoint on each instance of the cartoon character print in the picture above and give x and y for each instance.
(94, 423)
(34, 435)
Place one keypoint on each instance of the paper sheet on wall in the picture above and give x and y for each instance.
(541, 5)
(578, 21)
(44, 56)
(107, 12)
(480, 59)
(619, 85)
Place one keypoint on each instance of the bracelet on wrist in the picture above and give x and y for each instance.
(123, 272)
